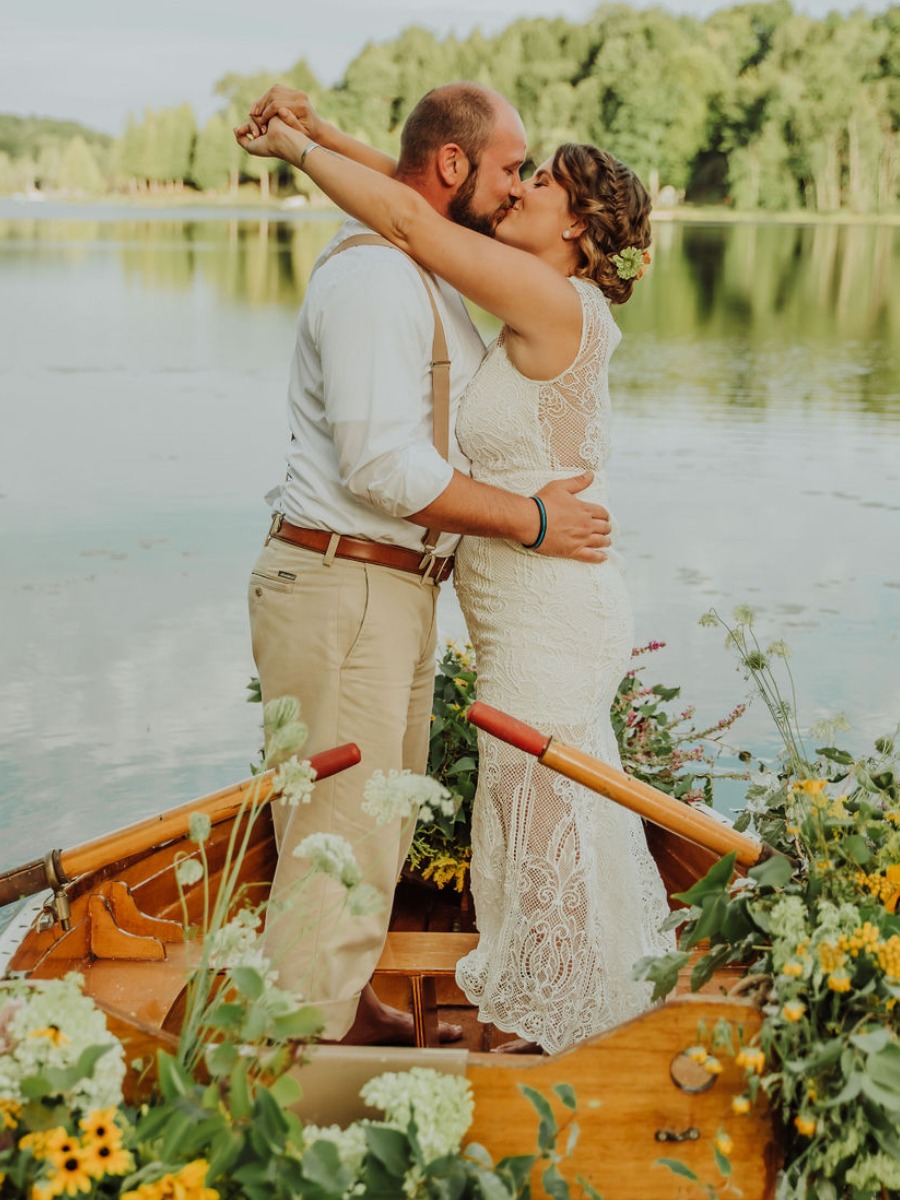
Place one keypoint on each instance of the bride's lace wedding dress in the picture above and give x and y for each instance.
(567, 895)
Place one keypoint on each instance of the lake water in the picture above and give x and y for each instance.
(142, 384)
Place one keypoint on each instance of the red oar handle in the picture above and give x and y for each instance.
(329, 762)
(508, 729)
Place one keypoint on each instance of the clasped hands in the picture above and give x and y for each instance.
(279, 110)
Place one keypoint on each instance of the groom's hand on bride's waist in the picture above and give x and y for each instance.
(575, 528)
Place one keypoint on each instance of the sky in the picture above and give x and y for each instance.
(94, 61)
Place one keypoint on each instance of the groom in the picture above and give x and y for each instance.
(342, 598)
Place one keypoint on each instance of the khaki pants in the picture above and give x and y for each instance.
(355, 644)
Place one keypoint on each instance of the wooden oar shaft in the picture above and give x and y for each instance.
(639, 797)
(156, 831)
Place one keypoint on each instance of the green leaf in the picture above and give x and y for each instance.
(221, 1058)
(491, 1187)
(554, 1184)
(884, 1068)
(678, 1168)
(285, 1091)
(886, 1097)
(712, 918)
(872, 1042)
(303, 1024)
(390, 1147)
(716, 880)
(239, 1102)
(661, 970)
(174, 1081)
(856, 849)
(835, 755)
(248, 981)
(775, 872)
(548, 1128)
(321, 1164)
(566, 1093)
(722, 1162)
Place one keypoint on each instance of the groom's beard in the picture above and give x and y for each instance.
(460, 209)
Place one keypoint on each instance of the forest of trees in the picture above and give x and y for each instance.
(757, 107)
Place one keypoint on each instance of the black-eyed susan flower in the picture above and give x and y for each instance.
(100, 1126)
(105, 1158)
(71, 1176)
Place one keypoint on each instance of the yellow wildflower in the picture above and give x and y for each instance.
(723, 1143)
(100, 1126)
(793, 968)
(712, 1066)
(10, 1111)
(740, 1105)
(751, 1058)
(793, 1010)
(71, 1175)
(806, 1126)
(839, 981)
(697, 1054)
(812, 787)
(106, 1158)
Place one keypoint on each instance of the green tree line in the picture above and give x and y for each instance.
(757, 107)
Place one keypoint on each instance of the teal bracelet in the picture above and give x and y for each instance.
(542, 533)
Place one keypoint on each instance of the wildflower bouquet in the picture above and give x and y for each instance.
(819, 934)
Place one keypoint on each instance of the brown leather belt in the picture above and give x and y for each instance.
(398, 557)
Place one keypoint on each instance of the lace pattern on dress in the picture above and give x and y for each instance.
(567, 895)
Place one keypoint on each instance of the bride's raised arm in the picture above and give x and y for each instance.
(531, 296)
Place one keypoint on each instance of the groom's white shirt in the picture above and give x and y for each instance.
(359, 397)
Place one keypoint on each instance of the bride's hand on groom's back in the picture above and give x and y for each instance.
(575, 528)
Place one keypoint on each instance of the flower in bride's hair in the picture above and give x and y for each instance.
(629, 263)
(294, 781)
(330, 854)
(400, 794)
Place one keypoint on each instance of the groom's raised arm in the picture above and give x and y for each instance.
(317, 128)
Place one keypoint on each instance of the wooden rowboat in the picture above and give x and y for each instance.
(113, 914)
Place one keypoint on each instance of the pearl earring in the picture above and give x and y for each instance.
(566, 234)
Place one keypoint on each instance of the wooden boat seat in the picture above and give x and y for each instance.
(421, 959)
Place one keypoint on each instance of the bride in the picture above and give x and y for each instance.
(567, 895)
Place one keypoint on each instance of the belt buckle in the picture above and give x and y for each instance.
(275, 526)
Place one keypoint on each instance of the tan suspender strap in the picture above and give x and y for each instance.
(440, 357)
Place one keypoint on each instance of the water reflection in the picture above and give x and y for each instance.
(757, 392)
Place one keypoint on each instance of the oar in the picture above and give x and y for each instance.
(691, 823)
(60, 867)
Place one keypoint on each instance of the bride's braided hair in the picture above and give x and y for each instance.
(614, 206)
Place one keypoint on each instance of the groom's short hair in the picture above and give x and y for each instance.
(464, 113)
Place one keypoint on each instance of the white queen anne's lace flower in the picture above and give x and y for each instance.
(401, 794)
(237, 944)
(294, 780)
(51, 1025)
(330, 854)
(442, 1106)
